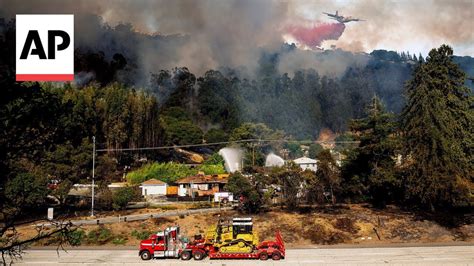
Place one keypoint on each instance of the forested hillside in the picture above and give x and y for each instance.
(47, 128)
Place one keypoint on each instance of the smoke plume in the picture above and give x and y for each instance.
(210, 34)
(315, 35)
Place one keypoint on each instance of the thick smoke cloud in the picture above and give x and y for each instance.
(211, 34)
(415, 26)
(215, 33)
(331, 64)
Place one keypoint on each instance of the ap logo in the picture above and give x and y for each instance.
(44, 47)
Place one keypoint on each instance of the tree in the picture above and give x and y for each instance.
(313, 186)
(328, 173)
(215, 158)
(240, 186)
(178, 127)
(314, 150)
(290, 180)
(67, 165)
(25, 191)
(294, 150)
(216, 135)
(438, 131)
(370, 167)
(256, 150)
(122, 197)
(23, 194)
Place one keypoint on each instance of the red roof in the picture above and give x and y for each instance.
(153, 181)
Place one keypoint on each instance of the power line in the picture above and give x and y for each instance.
(219, 143)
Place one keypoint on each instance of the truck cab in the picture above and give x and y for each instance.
(169, 244)
(163, 244)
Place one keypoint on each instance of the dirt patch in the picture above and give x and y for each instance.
(346, 224)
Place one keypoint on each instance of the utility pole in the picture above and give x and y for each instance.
(253, 154)
(93, 174)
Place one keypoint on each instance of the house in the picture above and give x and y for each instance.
(117, 185)
(307, 163)
(201, 185)
(153, 187)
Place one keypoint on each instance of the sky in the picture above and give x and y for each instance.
(403, 25)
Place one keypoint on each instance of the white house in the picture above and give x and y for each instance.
(307, 163)
(153, 187)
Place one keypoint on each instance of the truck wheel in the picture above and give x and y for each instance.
(263, 256)
(186, 255)
(145, 255)
(198, 255)
(276, 256)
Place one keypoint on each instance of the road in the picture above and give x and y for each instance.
(434, 255)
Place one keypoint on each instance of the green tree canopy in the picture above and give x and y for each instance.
(240, 185)
(178, 127)
(255, 151)
(438, 129)
(314, 150)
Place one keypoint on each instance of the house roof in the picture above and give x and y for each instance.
(153, 182)
(304, 160)
(117, 185)
(204, 179)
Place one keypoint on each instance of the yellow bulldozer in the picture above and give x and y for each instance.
(233, 236)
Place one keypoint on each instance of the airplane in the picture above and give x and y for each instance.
(341, 18)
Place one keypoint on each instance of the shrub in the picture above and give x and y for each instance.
(122, 197)
(166, 172)
(317, 234)
(105, 199)
(212, 169)
(119, 240)
(76, 237)
(141, 235)
(101, 235)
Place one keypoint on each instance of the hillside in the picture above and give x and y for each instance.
(324, 225)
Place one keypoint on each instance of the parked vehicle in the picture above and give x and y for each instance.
(223, 197)
(233, 239)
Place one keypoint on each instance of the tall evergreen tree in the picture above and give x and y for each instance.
(437, 125)
(371, 166)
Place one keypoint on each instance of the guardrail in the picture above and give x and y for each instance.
(139, 217)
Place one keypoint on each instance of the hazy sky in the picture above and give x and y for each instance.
(416, 25)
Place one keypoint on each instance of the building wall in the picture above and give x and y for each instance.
(154, 190)
(201, 189)
(182, 190)
(310, 166)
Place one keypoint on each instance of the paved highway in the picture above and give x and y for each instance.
(435, 255)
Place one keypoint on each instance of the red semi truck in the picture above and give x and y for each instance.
(168, 244)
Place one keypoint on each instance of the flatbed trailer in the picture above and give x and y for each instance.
(219, 255)
(267, 249)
